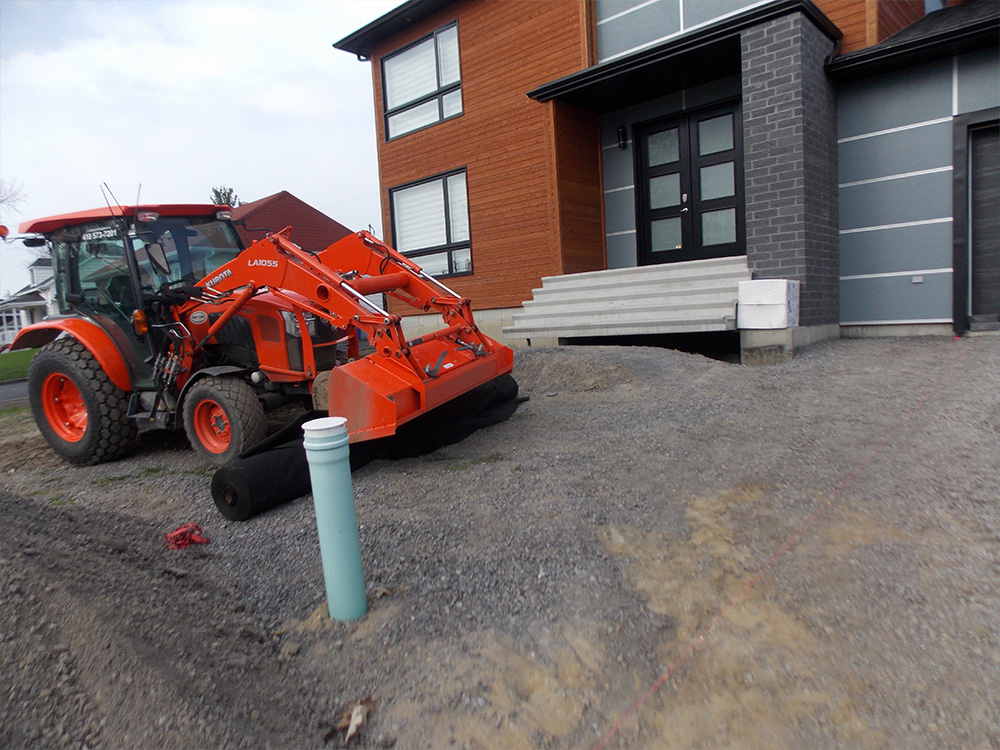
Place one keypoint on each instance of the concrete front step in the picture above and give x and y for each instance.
(652, 309)
(626, 328)
(694, 290)
(672, 298)
(667, 271)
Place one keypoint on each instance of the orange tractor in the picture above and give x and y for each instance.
(168, 321)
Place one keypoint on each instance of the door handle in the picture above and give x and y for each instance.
(684, 210)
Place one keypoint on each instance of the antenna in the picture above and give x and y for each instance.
(137, 194)
(106, 191)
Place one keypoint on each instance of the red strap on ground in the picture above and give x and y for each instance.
(789, 543)
(185, 535)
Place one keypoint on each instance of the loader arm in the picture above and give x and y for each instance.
(401, 379)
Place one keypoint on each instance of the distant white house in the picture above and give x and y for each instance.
(30, 304)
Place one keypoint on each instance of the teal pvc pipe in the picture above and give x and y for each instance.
(327, 451)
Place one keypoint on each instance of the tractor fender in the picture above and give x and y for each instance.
(91, 335)
(207, 373)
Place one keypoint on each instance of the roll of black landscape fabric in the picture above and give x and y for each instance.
(272, 472)
(276, 471)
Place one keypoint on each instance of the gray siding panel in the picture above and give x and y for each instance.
(895, 298)
(896, 201)
(607, 8)
(622, 251)
(619, 209)
(913, 248)
(619, 169)
(702, 11)
(638, 28)
(895, 99)
(896, 153)
(978, 81)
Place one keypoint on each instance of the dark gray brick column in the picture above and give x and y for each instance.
(790, 162)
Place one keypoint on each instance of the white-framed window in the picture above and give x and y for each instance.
(430, 223)
(422, 83)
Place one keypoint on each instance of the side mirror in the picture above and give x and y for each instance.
(34, 241)
(158, 257)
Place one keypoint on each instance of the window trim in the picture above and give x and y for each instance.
(437, 95)
(449, 246)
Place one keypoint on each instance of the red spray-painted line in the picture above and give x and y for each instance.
(789, 543)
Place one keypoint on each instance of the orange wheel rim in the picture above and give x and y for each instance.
(211, 425)
(64, 407)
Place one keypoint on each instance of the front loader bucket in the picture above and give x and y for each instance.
(379, 393)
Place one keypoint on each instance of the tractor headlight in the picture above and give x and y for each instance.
(292, 327)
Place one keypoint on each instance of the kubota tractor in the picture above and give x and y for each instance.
(167, 321)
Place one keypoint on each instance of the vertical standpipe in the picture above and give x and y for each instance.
(327, 451)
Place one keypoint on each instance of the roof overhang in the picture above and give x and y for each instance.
(703, 55)
(980, 31)
(362, 41)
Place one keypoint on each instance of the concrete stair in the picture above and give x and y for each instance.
(694, 296)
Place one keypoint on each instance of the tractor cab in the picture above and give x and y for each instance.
(108, 267)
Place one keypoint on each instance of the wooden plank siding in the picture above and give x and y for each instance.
(525, 194)
(868, 22)
(897, 15)
(851, 17)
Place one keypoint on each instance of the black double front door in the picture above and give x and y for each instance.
(689, 189)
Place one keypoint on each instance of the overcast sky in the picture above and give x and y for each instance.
(181, 97)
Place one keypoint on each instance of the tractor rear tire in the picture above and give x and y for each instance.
(78, 410)
(222, 418)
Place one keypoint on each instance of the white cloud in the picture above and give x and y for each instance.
(183, 96)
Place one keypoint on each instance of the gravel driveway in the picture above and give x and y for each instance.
(657, 550)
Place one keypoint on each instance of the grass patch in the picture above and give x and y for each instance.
(14, 365)
(59, 501)
(152, 471)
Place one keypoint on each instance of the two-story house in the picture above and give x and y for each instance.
(586, 168)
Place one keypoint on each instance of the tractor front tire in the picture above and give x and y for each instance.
(78, 410)
(222, 418)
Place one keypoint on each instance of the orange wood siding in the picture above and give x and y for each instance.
(581, 196)
(505, 141)
(868, 22)
(851, 17)
(897, 15)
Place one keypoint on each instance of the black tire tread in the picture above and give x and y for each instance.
(116, 433)
(247, 411)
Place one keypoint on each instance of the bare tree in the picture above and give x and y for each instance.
(11, 196)
(225, 196)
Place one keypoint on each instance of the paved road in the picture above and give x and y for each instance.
(13, 392)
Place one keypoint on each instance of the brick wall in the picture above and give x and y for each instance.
(520, 230)
(790, 161)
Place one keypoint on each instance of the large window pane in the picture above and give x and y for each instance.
(718, 181)
(718, 227)
(435, 264)
(421, 223)
(451, 104)
(664, 147)
(447, 42)
(715, 135)
(410, 75)
(458, 208)
(413, 118)
(422, 84)
(666, 234)
(665, 191)
(418, 214)
(462, 260)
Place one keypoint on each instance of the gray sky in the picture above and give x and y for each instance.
(181, 97)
